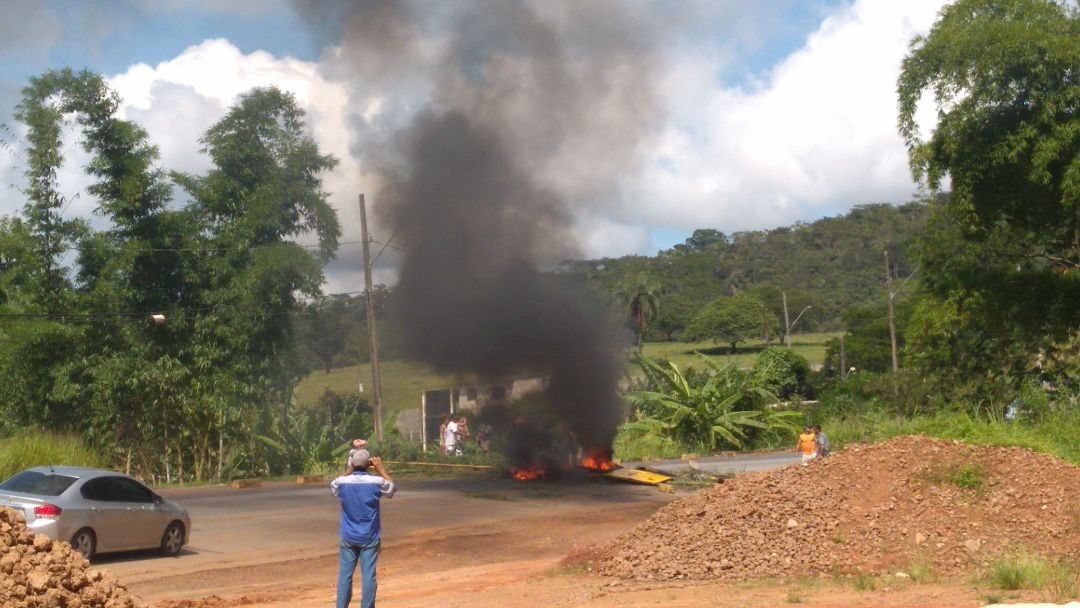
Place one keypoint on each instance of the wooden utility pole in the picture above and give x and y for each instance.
(787, 324)
(373, 341)
(892, 313)
(843, 360)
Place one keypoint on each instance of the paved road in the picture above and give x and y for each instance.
(283, 528)
(282, 523)
(726, 465)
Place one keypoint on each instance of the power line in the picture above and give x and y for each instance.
(129, 314)
(205, 249)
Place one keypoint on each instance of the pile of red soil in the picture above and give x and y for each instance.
(877, 509)
(37, 572)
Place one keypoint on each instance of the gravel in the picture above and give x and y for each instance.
(37, 572)
(908, 503)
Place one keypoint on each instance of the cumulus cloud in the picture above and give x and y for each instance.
(814, 137)
(178, 100)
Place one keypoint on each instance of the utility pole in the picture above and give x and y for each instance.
(843, 360)
(787, 324)
(373, 342)
(892, 313)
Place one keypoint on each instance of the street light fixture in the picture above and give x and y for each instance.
(787, 333)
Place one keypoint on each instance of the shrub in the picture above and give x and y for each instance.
(1019, 571)
(1062, 583)
(37, 448)
(783, 373)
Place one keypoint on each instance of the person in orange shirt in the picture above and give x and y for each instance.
(807, 444)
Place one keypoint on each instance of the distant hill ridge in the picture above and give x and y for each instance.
(831, 264)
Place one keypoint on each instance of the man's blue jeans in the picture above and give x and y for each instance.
(368, 555)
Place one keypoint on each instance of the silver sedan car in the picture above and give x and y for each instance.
(96, 511)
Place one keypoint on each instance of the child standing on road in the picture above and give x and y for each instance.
(807, 444)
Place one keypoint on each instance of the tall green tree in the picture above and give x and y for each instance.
(76, 348)
(1003, 77)
(263, 192)
(728, 320)
(75, 326)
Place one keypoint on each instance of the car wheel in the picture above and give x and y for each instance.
(173, 538)
(85, 542)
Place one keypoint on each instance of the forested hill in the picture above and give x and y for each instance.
(832, 264)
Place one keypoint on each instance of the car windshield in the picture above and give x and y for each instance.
(34, 482)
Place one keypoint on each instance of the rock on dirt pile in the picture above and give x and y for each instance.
(949, 506)
(37, 572)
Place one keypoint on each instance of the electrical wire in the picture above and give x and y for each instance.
(120, 315)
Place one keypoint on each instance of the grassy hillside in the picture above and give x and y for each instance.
(403, 381)
(811, 346)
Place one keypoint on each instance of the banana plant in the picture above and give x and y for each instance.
(716, 409)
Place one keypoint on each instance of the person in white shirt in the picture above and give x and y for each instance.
(451, 438)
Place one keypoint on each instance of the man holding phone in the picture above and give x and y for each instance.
(360, 493)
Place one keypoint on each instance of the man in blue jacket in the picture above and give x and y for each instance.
(360, 493)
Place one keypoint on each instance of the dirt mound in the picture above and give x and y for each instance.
(37, 572)
(882, 508)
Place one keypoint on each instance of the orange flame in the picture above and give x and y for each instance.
(527, 474)
(597, 460)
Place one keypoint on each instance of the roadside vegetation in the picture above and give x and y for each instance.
(31, 448)
(970, 331)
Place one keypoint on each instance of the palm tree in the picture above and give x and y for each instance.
(640, 296)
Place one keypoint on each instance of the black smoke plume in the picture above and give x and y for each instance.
(526, 108)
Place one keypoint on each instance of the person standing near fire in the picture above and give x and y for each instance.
(450, 438)
(442, 433)
(463, 434)
(360, 494)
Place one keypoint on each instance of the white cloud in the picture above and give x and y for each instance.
(177, 100)
(815, 137)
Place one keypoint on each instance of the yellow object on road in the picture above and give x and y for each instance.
(636, 476)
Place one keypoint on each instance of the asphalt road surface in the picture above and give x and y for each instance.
(282, 538)
(726, 464)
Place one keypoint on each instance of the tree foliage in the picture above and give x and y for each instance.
(719, 408)
(639, 296)
(77, 350)
(729, 320)
(832, 264)
(783, 373)
(1004, 78)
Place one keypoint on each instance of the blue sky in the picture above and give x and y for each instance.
(769, 112)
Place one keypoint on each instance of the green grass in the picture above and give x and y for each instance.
(1055, 435)
(865, 582)
(404, 381)
(35, 448)
(1056, 581)
(811, 346)
(921, 570)
(1018, 571)
(967, 476)
(1062, 583)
